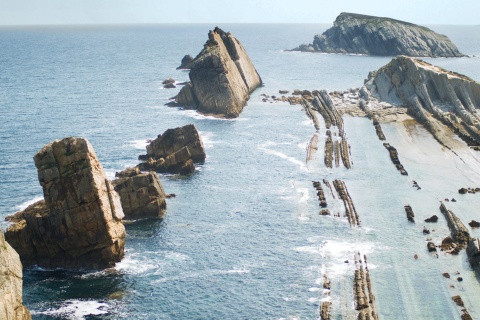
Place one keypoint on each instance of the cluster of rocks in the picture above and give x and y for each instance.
(468, 190)
(409, 212)
(174, 151)
(320, 193)
(222, 77)
(326, 306)
(394, 157)
(361, 34)
(364, 300)
(350, 210)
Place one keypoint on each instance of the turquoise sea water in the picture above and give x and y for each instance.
(243, 238)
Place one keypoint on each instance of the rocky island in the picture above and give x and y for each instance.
(361, 34)
(78, 225)
(222, 77)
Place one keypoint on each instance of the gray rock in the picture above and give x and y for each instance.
(379, 36)
(222, 77)
(186, 62)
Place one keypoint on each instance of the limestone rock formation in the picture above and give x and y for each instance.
(362, 34)
(11, 307)
(186, 61)
(222, 77)
(79, 224)
(141, 194)
(435, 97)
(174, 151)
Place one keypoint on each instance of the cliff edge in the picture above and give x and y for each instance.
(435, 97)
(379, 36)
(222, 77)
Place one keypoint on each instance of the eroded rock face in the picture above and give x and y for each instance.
(361, 34)
(142, 195)
(11, 307)
(435, 97)
(79, 224)
(174, 151)
(222, 77)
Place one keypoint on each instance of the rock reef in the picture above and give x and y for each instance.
(11, 307)
(434, 97)
(222, 77)
(174, 151)
(141, 194)
(78, 225)
(361, 34)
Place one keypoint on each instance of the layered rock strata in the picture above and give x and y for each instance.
(350, 210)
(410, 214)
(79, 224)
(459, 232)
(141, 194)
(328, 157)
(394, 157)
(434, 97)
(312, 147)
(379, 36)
(378, 129)
(473, 253)
(364, 300)
(320, 194)
(222, 77)
(11, 307)
(174, 151)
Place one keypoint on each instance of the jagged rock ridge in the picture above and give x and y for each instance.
(379, 36)
(222, 77)
(11, 307)
(78, 225)
(435, 97)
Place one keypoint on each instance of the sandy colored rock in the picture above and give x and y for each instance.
(142, 194)
(379, 36)
(79, 225)
(222, 77)
(11, 307)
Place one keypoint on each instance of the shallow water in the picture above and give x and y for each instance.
(243, 238)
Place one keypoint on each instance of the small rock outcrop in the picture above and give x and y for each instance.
(11, 307)
(142, 195)
(460, 234)
(186, 62)
(379, 36)
(434, 97)
(174, 151)
(78, 225)
(222, 77)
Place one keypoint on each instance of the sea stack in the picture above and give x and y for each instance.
(142, 195)
(78, 225)
(174, 151)
(11, 307)
(222, 77)
(435, 97)
(378, 36)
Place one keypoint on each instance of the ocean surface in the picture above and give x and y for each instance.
(243, 239)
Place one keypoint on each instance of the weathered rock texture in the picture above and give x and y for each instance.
(221, 77)
(459, 232)
(433, 96)
(350, 210)
(473, 253)
(410, 214)
(11, 307)
(361, 34)
(174, 151)
(79, 224)
(394, 157)
(362, 290)
(142, 195)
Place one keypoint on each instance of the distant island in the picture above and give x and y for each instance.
(378, 36)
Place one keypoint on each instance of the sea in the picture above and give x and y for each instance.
(243, 238)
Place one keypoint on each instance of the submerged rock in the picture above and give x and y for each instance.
(11, 307)
(379, 36)
(434, 97)
(221, 77)
(174, 151)
(142, 195)
(79, 224)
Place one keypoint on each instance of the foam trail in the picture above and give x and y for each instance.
(281, 154)
(77, 310)
(25, 204)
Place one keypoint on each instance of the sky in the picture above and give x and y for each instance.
(35, 12)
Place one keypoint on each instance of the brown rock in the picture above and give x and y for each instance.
(474, 224)
(11, 307)
(433, 218)
(141, 194)
(80, 223)
(446, 275)
(458, 301)
(431, 247)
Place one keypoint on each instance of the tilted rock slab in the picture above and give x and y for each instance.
(79, 225)
(432, 95)
(379, 36)
(142, 195)
(222, 77)
(11, 307)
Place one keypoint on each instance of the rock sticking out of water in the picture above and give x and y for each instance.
(410, 214)
(459, 232)
(350, 210)
(364, 300)
(394, 157)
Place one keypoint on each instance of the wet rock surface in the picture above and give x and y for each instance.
(364, 299)
(394, 157)
(362, 34)
(222, 77)
(459, 232)
(350, 210)
(79, 223)
(410, 214)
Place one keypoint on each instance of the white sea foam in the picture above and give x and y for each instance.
(138, 144)
(77, 310)
(207, 140)
(25, 204)
(282, 155)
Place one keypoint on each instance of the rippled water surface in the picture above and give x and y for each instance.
(243, 238)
